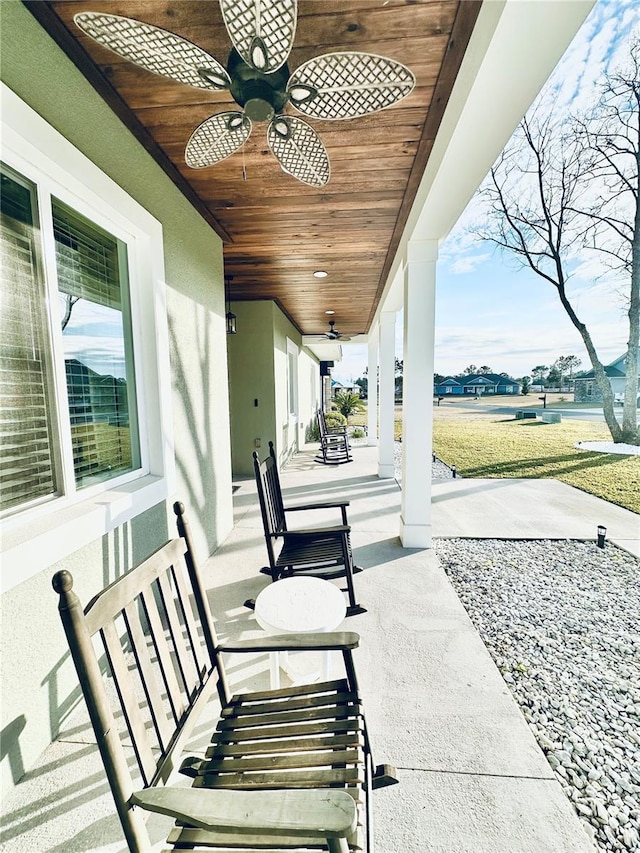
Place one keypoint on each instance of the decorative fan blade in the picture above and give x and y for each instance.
(348, 84)
(325, 339)
(299, 150)
(156, 50)
(262, 31)
(216, 138)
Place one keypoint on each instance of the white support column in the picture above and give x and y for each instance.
(386, 466)
(417, 397)
(372, 390)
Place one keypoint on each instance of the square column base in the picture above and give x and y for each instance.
(386, 472)
(415, 535)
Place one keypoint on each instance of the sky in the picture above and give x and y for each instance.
(488, 310)
(95, 336)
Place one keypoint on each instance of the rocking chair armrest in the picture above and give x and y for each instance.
(336, 530)
(320, 642)
(318, 505)
(327, 813)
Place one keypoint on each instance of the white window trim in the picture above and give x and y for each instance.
(293, 405)
(37, 538)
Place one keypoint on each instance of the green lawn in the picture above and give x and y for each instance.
(491, 446)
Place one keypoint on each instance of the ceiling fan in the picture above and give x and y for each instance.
(332, 334)
(341, 85)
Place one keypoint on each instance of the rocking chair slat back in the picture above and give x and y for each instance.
(148, 662)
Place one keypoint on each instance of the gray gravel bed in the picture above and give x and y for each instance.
(439, 471)
(562, 623)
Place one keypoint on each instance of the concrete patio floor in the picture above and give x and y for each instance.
(472, 778)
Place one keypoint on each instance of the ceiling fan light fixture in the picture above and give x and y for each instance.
(320, 274)
(249, 85)
(329, 312)
(259, 109)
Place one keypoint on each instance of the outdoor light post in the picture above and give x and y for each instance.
(602, 532)
(454, 471)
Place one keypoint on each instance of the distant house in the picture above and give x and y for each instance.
(339, 387)
(586, 388)
(95, 398)
(475, 384)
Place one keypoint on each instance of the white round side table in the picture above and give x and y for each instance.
(299, 605)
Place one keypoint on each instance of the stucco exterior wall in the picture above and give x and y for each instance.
(258, 370)
(309, 387)
(251, 379)
(39, 688)
(290, 433)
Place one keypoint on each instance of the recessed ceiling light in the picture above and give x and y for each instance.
(329, 312)
(320, 274)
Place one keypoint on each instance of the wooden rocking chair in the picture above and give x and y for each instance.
(323, 552)
(334, 443)
(287, 769)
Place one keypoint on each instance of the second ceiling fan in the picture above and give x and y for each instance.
(332, 334)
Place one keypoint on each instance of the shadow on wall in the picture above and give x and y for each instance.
(199, 493)
(133, 541)
(121, 549)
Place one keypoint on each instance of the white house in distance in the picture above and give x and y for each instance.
(340, 387)
(586, 388)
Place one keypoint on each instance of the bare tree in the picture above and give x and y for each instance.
(612, 136)
(69, 302)
(543, 209)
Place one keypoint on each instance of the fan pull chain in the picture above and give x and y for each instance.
(244, 168)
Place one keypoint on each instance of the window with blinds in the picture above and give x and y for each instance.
(44, 452)
(26, 446)
(96, 341)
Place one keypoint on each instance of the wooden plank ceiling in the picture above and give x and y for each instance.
(278, 231)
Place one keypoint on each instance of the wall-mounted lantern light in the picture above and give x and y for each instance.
(230, 316)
